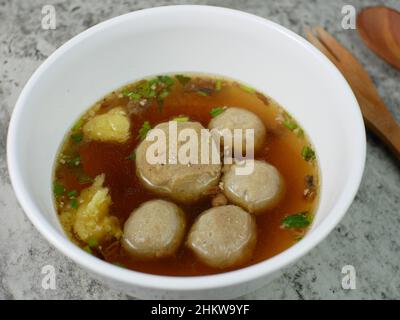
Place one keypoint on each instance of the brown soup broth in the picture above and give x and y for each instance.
(80, 161)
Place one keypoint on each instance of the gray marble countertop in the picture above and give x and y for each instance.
(368, 237)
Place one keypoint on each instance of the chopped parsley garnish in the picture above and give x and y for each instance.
(297, 221)
(308, 153)
(247, 88)
(74, 204)
(218, 85)
(77, 137)
(183, 80)
(146, 127)
(216, 111)
(58, 189)
(181, 119)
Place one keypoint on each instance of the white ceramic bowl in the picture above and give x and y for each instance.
(178, 39)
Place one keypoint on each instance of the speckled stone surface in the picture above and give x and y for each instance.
(368, 238)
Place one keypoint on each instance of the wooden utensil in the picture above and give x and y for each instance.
(376, 115)
(379, 27)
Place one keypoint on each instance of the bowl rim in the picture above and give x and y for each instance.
(182, 283)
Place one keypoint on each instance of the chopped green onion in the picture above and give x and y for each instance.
(218, 85)
(182, 79)
(160, 99)
(166, 80)
(119, 264)
(146, 127)
(163, 94)
(132, 155)
(74, 204)
(84, 178)
(247, 88)
(298, 220)
(77, 137)
(74, 162)
(58, 189)
(88, 250)
(78, 124)
(290, 124)
(308, 153)
(146, 89)
(202, 93)
(92, 243)
(133, 96)
(181, 119)
(72, 194)
(154, 88)
(205, 92)
(299, 132)
(216, 111)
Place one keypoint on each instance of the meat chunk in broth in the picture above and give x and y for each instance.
(237, 118)
(154, 230)
(256, 192)
(223, 236)
(181, 182)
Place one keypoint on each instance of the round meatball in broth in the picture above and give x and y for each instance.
(257, 191)
(223, 237)
(237, 118)
(154, 230)
(183, 182)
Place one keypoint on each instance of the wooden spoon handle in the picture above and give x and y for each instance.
(383, 124)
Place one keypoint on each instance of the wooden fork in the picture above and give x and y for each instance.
(376, 115)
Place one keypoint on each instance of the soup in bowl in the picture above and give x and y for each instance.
(85, 123)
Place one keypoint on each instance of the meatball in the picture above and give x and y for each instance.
(182, 182)
(112, 126)
(223, 236)
(255, 192)
(154, 230)
(236, 118)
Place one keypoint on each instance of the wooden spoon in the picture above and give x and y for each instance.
(379, 27)
(376, 115)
